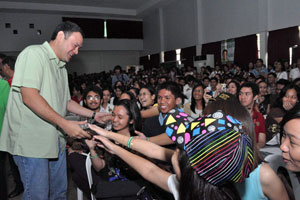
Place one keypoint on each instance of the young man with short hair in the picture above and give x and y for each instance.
(248, 94)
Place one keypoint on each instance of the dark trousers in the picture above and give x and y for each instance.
(3, 182)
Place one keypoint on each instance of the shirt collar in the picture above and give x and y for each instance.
(52, 55)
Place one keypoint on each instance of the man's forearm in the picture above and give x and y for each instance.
(74, 107)
(33, 100)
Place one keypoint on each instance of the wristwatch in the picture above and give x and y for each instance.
(94, 114)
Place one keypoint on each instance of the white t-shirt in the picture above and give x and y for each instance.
(173, 185)
(282, 75)
(294, 73)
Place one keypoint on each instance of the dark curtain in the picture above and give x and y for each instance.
(213, 48)
(154, 60)
(187, 55)
(296, 54)
(280, 41)
(124, 29)
(145, 62)
(245, 50)
(92, 28)
(170, 55)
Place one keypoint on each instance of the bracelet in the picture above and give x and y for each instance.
(94, 114)
(129, 142)
(93, 157)
(148, 139)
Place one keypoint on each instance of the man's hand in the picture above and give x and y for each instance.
(140, 135)
(103, 117)
(73, 129)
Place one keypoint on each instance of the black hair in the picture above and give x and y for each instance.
(254, 87)
(237, 85)
(193, 102)
(2, 56)
(117, 67)
(77, 87)
(10, 61)
(134, 114)
(214, 78)
(68, 28)
(171, 86)
(294, 113)
(132, 97)
(261, 60)
(193, 187)
(283, 82)
(279, 102)
(273, 74)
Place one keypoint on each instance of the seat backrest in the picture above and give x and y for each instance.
(88, 166)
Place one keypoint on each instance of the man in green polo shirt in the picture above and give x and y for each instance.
(34, 127)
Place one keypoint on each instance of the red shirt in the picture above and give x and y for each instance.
(259, 123)
(9, 81)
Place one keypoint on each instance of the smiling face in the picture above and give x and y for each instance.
(145, 98)
(290, 145)
(232, 89)
(198, 93)
(290, 98)
(93, 100)
(263, 88)
(67, 46)
(166, 101)
(120, 119)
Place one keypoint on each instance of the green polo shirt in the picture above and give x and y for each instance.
(4, 91)
(24, 133)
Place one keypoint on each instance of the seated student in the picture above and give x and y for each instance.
(195, 178)
(169, 96)
(197, 104)
(105, 104)
(77, 94)
(287, 99)
(247, 95)
(151, 125)
(110, 174)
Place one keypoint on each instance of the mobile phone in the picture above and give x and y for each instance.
(210, 93)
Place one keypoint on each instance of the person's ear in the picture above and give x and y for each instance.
(60, 35)
(256, 96)
(153, 97)
(178, 101)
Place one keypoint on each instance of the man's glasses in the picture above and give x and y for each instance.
(90, 98)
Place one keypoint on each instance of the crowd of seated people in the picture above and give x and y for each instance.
(259, 97)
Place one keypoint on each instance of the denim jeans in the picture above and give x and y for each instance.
(42, 178)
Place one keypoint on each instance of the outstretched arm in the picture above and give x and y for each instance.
(145, 168)
(149, 149)
(33, 100)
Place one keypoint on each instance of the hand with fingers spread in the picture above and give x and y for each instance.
(99, 130)
(106, 144)
(73, 129)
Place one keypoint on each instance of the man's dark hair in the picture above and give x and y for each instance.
(2, 56)
(273, 74)
(214, 78)
(254, 87)
(68, 28)
(283, 82)
(118, 67)
(261, 60)
(94, 89)
(10, 61)
(173, 87)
